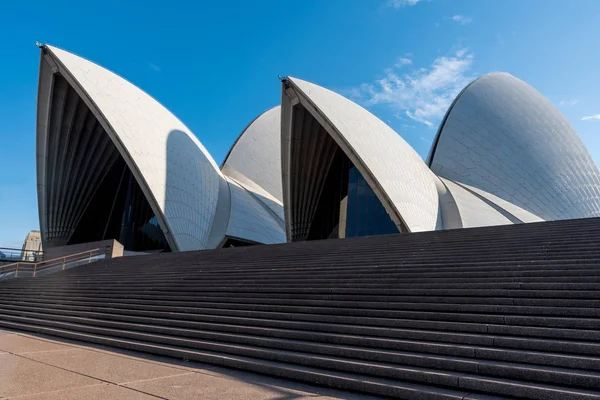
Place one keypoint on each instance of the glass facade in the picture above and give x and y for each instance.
(348, 206)
(326, 220)
(365, 215)
(119, 210)
(139, 226)
(233, 242)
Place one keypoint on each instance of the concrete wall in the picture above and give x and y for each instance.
(112, 249)
(32, 245)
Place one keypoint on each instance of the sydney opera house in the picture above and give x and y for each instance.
(113, 163)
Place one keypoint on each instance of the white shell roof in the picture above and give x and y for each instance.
(254, 160)
(517, 212)
(503, 137)
(177, 174)
(473, 211)
(402, 181)
(503, 153)
(251, 219)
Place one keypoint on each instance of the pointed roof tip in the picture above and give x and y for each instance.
(40, 45)
(285, 80)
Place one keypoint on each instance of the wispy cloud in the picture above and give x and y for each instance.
(461, 19)
(154, 67)
(596, 116)
(402, 3)
(403, 61)
(569, 103)
(425, 94)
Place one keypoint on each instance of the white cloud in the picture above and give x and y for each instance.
(402, 3)
(425, 94)
(402, 61)
(597, 116)
(569, 103)
(461, 19)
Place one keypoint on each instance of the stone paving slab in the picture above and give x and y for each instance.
(195, 386)
(20, 376)
(101, 391)
(107, 367)
(20, 344)
(41, 367)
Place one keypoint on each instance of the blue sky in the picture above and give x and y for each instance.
(214, 64)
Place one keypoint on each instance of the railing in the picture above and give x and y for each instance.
(24, 268)
(9, 254)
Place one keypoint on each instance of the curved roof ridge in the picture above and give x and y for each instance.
(177, 175)
(243, 132)
(503, 137)
(436, 138)
(403, 183)
(254, 158)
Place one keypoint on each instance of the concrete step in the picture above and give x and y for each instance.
(373, 316)
(575, 276)
(510, 311)
(479, 335)
(353, 308)
(106, 272)
(565, 274)
(241, 333)
(355, 293)
(478, 383)
(339, 380)
(582, 279)
(290, 269)
(293, 299)
(398, 260)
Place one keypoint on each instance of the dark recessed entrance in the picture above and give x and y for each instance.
(329, 197)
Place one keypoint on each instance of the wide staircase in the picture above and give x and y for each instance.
(509, 311)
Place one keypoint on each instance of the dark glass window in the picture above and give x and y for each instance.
(232, 242)
(119, 210)
(139, 227)
(328, 196)
(351, 208)
(365, 213)
(325, 222)
(348, 206)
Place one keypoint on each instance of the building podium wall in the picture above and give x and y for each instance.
(112, 248)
